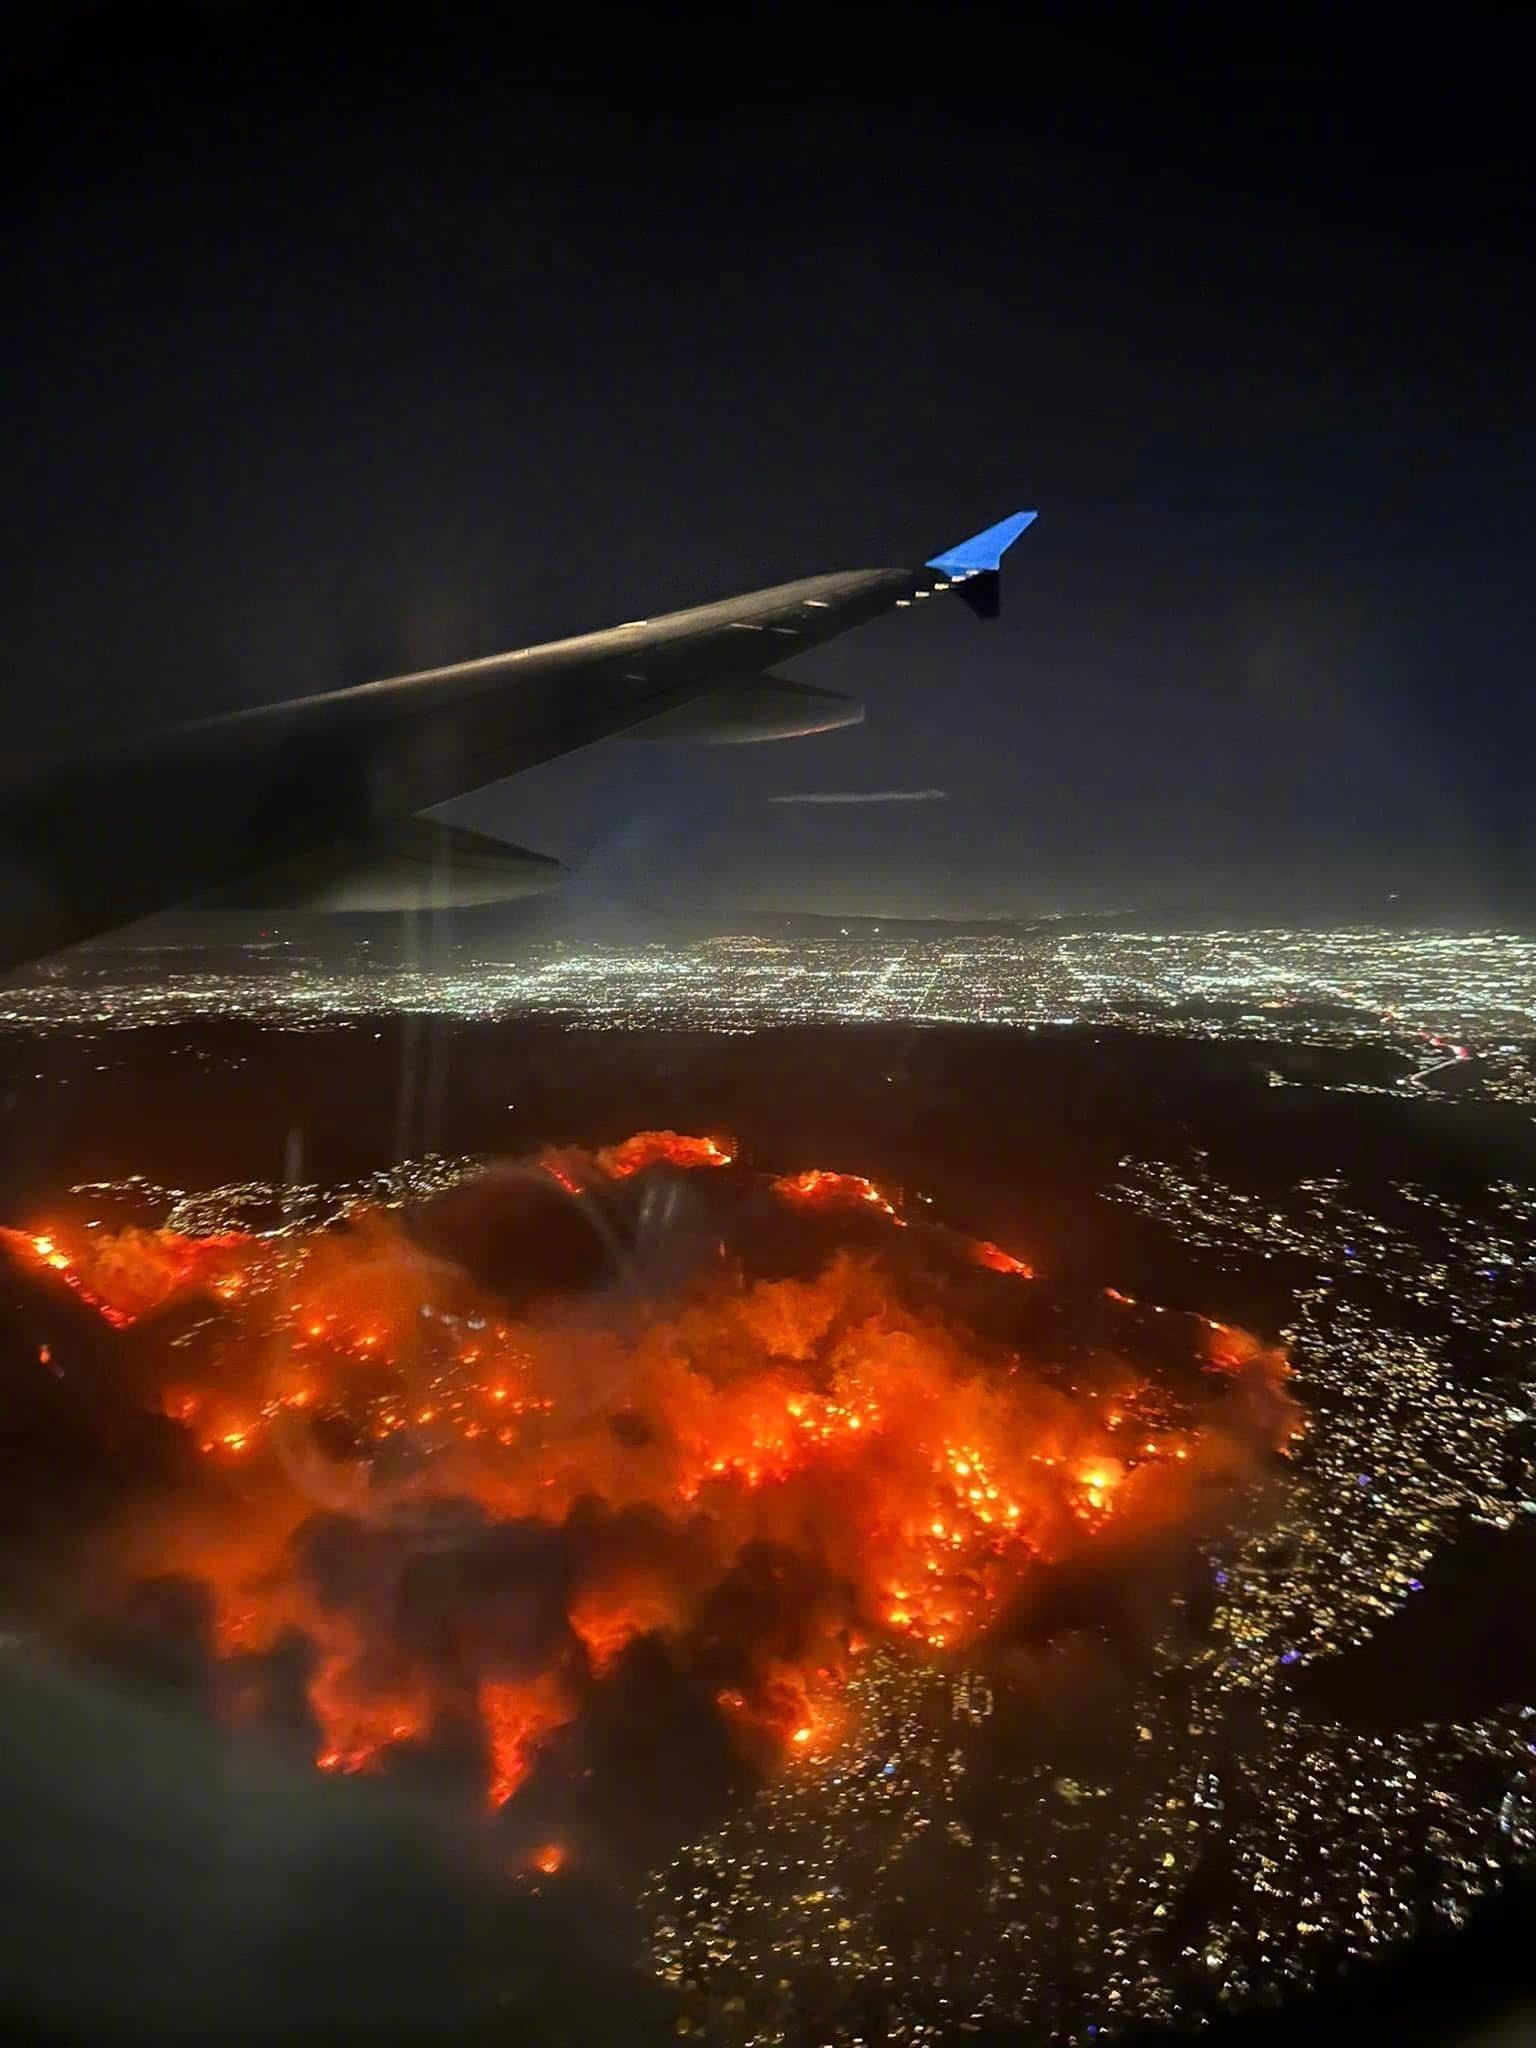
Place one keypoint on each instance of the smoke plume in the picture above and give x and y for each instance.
(488, 1490)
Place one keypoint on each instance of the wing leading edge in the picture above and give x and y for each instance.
(92, 841)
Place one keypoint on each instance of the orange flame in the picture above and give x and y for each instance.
(984, 1253)
(903, 1478)
(670, 1148)
(833, 1190)
(127, 1274)
(517, 1716)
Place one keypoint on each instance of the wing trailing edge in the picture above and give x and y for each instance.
(412, 864)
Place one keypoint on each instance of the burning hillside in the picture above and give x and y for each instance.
(432, 1517)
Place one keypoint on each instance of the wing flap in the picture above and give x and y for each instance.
(415, 864)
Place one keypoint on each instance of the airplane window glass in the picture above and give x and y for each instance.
(767, 979)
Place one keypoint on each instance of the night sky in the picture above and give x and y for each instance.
(333, 350)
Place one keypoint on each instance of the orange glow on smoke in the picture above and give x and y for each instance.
(984, 1253)
(669, 1148)
(123, 1275)
(356, 1728)
(858, 1470)
(517, 1715)
(608, 1617)
(833, 1190)
(576, 1170)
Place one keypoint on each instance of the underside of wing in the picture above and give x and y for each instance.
(410, 865)
(319, 797)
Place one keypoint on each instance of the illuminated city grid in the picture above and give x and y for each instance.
(1082, 1911)
(1446, 1001)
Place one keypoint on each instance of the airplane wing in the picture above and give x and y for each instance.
(312, 804)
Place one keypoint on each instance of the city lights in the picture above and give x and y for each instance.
(1453, 1009)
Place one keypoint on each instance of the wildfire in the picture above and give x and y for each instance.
(359, 1722)
(996, 1260)
(775, 1473)
(833, 1190)
(576, 1170)
(669, 1148)
(124, 1275)
(608, 1617)
(517, 1717)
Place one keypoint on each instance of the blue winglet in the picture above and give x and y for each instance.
(984, 550)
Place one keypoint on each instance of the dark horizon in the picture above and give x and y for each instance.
(337, 351)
